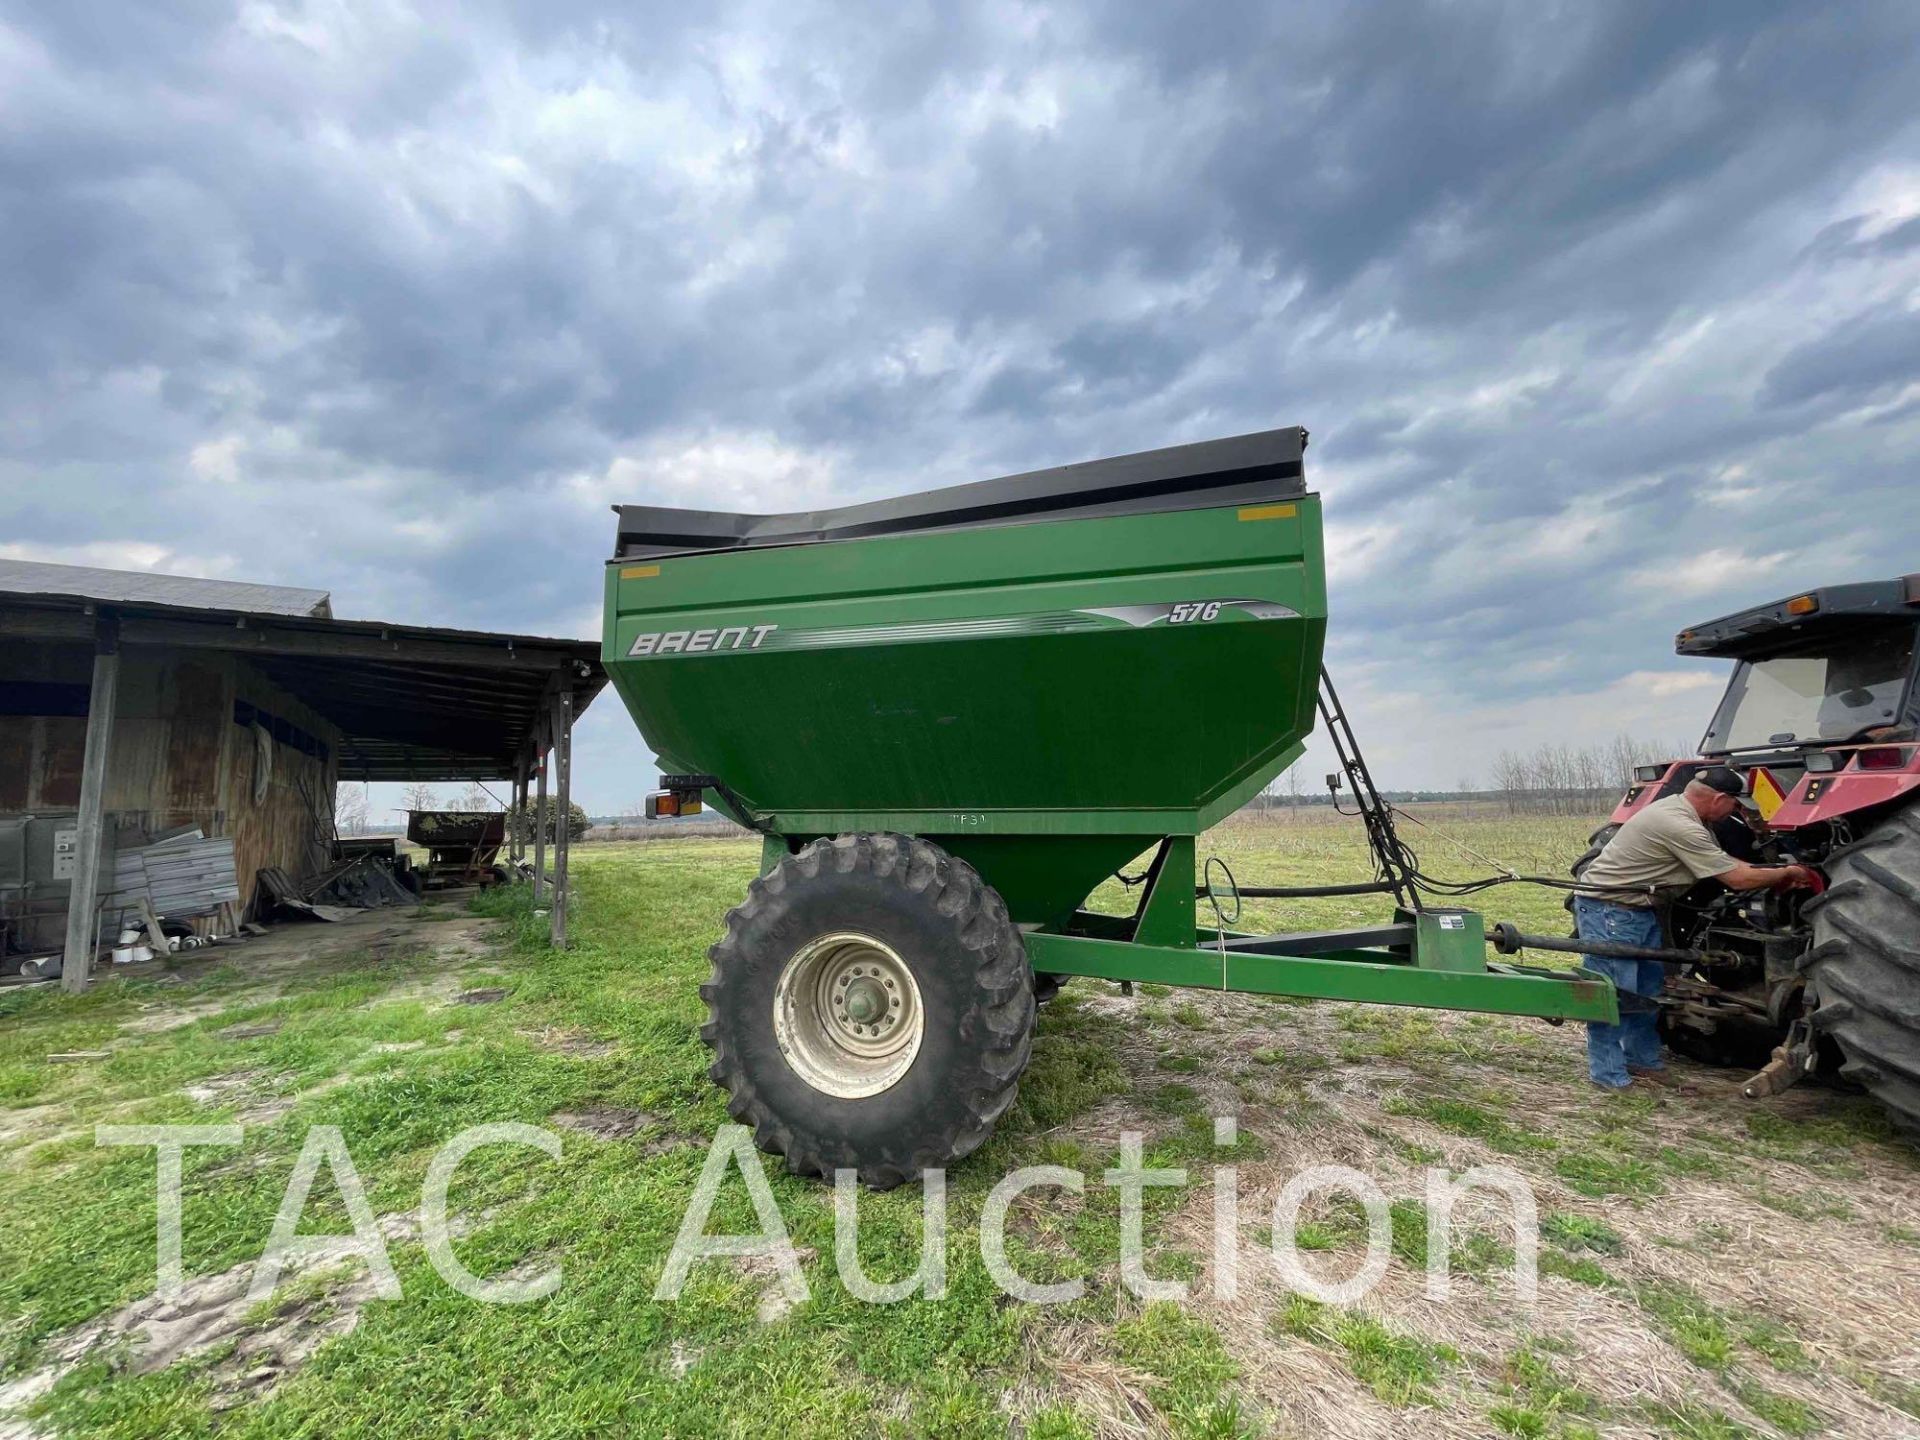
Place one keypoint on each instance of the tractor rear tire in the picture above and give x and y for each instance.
(871, 1008)
(1864, 964)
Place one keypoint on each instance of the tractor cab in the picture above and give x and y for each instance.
(1825, 668)
(1822, 711)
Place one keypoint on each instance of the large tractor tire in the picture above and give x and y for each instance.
(1864, 964)
(870, 1008)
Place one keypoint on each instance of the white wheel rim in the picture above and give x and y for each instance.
(847, 1015)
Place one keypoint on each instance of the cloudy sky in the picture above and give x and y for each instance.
(1605, 318)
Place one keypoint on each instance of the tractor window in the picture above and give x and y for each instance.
(1832, 688)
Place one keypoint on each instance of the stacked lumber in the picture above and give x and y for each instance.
(183, 874)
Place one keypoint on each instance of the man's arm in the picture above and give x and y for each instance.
(1761, 877)
(1695, 847)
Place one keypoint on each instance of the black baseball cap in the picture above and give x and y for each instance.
(1719, 777)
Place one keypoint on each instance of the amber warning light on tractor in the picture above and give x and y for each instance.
(1803, 605)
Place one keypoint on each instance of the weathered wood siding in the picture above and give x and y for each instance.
(179, 757)
(293, 826)
(40, 754)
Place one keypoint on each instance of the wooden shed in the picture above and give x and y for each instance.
(136, 704)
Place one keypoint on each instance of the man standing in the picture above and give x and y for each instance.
(1657, 855)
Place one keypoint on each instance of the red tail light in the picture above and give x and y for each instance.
(1884, 757)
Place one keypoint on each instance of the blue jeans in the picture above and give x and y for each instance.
(1636, 1039)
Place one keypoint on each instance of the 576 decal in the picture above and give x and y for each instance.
(1189, 611)
(1192, 612)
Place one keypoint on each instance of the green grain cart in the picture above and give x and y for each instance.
(951, 715)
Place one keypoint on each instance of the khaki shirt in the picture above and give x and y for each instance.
(1666, 847)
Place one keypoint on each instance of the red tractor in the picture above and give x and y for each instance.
(1822, 715)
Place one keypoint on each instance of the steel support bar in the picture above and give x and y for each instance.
(1377, 977)
(83, 897)
(1165, 914)
(773, 849)
(1311, 943)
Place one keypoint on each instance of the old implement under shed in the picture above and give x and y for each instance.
(951, 715)
(463, 846)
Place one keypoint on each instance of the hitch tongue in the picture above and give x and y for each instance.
(1792, 1062)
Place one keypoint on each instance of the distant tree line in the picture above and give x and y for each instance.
(1547, 780)
(1576, 779)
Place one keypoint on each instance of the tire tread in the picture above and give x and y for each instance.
(981, 926)
(1864, 964)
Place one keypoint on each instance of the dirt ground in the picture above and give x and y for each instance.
(1745, 1253)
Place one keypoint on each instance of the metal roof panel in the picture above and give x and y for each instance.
(84, 582)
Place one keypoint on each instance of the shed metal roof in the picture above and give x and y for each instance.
(84, 582)
(411, 702)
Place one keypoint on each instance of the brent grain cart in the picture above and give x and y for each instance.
(950, 716)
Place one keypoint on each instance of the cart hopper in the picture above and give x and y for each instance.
(1044, 674)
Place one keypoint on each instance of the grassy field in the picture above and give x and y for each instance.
(1712, 1268)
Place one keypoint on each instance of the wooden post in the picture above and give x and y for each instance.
(156, 937)
(84, 897)
(539, 811)
(526, 788)
(517, 817)
(563, 812)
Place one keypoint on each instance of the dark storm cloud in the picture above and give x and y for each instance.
(1867, 354)
(1581, 303)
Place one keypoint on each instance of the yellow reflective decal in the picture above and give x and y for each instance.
(1767, 795)
(1268, 512)
(639, 572)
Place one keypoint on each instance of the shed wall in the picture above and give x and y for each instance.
(179, 755)
(292, 827)
(40, 747)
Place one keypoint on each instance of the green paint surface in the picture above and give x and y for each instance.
(966, 686)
